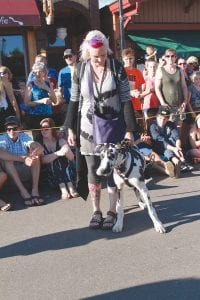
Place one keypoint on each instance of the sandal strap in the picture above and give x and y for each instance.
(97, 212)
(111, 213)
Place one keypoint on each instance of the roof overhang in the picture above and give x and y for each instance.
(19, 13)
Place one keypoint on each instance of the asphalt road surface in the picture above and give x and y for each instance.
(49, 252)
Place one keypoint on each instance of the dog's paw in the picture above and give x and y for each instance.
(117, 227)
(160, 228)
(142, 205)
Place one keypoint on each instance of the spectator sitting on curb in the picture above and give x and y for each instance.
(28, 167)
(57, 155)
(153, 160)
(166, 141)
(4, 206)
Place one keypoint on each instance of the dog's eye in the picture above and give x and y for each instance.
(111, 155)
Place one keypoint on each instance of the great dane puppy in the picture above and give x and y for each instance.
(128, 166)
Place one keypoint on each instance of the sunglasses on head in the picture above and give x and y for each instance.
(11, 128)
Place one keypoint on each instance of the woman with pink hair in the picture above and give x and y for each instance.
(100, 95)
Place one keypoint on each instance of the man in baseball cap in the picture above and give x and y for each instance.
(64, 78)
(12, 120)
(27, 165)
(164, 111)
(68, 52)
(166, 140)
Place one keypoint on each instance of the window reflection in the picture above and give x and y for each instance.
(12, 54)
(57, 43)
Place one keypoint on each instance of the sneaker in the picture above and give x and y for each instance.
(177, 169)
(169, 168)
(189, 167)
(185, 167)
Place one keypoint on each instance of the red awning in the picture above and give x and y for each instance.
(18, 13)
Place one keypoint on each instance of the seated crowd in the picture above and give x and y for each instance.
(168, 130)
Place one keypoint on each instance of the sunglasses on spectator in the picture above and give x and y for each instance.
(35, 72)
(11, 128)
(68, 56)
(45, 127)
(172, 56)
(183, 63)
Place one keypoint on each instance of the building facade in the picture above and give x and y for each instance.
(29, 27)
(163, 23)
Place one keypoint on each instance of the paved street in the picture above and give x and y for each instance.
(48, 252)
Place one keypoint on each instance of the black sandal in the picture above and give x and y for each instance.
(96, 221)
(28, 202)
(37, 200)
(109, 221)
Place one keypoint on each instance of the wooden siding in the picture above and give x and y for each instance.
(167, 11)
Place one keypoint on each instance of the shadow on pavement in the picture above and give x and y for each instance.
(177, 289)
(175, 212)
(17, 203)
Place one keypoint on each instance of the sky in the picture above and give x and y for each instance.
(102, 3)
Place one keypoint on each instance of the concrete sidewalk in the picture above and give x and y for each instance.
(48, 252)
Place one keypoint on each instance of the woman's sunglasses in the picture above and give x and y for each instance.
(45, 128)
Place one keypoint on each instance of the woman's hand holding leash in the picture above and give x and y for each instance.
(129, 138)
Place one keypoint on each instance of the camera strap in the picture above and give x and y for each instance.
(101, 83)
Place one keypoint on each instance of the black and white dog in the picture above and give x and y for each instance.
(128, 166)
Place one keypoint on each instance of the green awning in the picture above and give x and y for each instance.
(185, 43)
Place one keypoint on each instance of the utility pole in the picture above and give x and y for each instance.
(121, 23)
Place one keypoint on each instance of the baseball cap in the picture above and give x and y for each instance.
(12, 120)
(68, 52)
(164, 111)
(192, 59)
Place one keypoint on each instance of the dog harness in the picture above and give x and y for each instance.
(121, 169)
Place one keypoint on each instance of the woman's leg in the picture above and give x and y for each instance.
(72, 191)
(113, 197)
(64, 192)
(94, 185)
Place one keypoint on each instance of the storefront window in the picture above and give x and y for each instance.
(12, 55)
